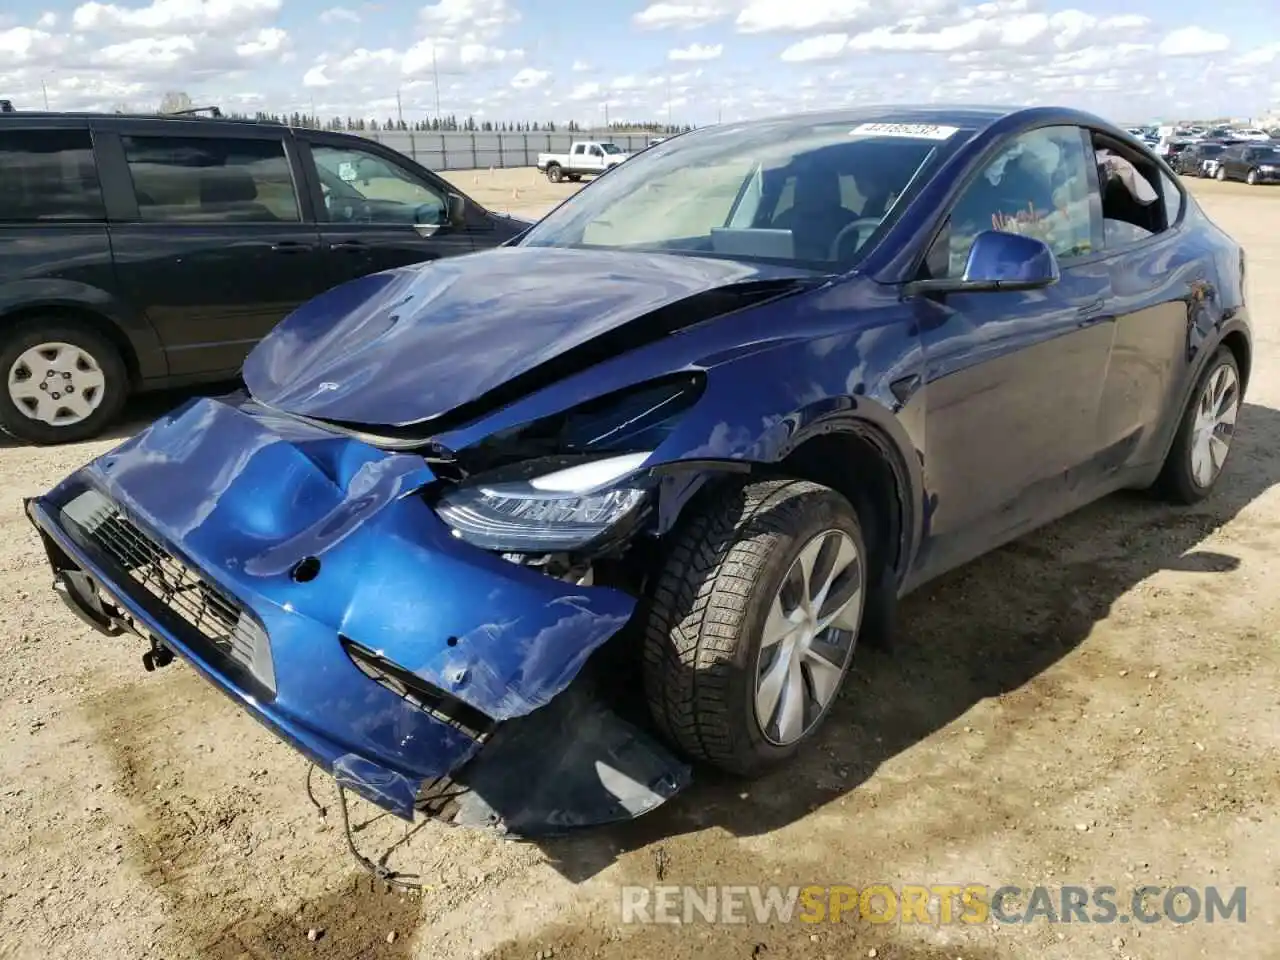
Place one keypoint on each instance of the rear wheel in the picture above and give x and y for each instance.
(575, 177)
(554, 173)
(64, 381)
(753, 622)
(1204, 437)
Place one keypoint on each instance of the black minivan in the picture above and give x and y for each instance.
(143, 252)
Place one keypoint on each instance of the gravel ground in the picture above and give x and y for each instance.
(1095, 704)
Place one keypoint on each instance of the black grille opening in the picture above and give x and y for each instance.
(174, 585)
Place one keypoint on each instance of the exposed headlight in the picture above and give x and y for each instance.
(558, 511)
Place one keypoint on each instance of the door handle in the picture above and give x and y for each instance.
(292, 246)
(1091, 311)
(349, 246)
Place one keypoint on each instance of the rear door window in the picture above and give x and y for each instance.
(48, 176)
(211, 180)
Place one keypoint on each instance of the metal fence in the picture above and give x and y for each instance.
(477, 151)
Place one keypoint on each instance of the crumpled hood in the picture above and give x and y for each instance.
(410, 344)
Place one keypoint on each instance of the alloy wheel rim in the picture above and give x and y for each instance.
(1215, 425)
(56, 383)
(808, 638)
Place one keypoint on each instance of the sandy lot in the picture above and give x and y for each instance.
(1094, 705)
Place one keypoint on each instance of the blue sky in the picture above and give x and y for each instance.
(696, 60)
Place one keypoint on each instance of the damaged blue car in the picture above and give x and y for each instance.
(512, 539)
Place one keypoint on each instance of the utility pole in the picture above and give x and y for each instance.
(606, 115)
(435, 80)
(45, 90)
(399, 108)
(668, 103)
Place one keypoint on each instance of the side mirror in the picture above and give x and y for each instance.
(457, 210)
(998, 261)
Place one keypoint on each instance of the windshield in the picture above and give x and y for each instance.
(1267, 154)
(611, 148)
(783, 192)
(1211, 150)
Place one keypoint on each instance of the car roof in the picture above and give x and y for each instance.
(973, 117)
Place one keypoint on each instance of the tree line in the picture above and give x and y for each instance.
(176, 101)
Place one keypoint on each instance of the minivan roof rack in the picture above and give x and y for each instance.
(214, 112)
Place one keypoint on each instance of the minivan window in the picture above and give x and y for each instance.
(48, 175)
(361, 186)
(211, 180)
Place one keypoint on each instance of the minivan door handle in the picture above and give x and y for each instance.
(351, 246)
(292, 246)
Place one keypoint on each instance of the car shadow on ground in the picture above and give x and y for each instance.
(982, 631)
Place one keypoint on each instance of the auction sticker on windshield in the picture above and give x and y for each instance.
(919, 131)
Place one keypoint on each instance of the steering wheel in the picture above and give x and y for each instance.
(867, 223)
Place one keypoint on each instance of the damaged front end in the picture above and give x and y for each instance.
(416, 624)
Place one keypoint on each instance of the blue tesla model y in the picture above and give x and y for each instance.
(515, 539)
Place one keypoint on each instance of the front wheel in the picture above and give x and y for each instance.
(554, 173)
(64, 381)
(1221, 174)
(753, 621)
(1251, 178)
(1208, 427)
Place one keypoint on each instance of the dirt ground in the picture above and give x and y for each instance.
(1096, 704)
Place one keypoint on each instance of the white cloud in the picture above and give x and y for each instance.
(174, 16)
(268, 41)
(47, 21)
(339, 15)
(529, 77)
(766, 16)
(825, 46)
(478, 18)
(316, 77)
(581, 66)
(682, 16)
(586, 91)
(20, 45)
(151, 52)
(1190, 41)
(697, 51)
(1260, 55)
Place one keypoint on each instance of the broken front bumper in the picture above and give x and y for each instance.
(304, 575)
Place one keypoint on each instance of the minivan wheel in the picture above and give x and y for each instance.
(1221, 174)
(64, 381)
(1251, 178)
(1204, 437)
(753, 620)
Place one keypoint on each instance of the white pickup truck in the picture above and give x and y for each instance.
(585, 158)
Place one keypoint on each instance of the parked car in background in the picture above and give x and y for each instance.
(6, 106)
(144, 252)
(1253, 162)
(699, 429)
(1251, 133)
(585, 158)
(1199, 159)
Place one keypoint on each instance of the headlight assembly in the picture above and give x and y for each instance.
(564, 510)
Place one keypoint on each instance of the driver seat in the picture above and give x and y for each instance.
(817, 214)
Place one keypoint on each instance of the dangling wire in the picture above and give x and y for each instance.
(379, 870)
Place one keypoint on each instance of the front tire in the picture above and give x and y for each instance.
(753, 621)
(64, 381)
(1205, 434)
(1221, 174)
(1251, 178)
(554, 173)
